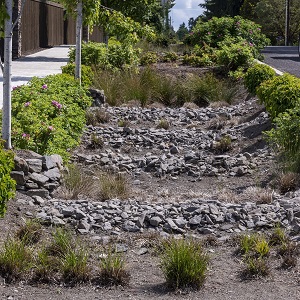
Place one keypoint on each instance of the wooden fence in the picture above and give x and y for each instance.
(43, 24)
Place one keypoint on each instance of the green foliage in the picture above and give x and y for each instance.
(256, 75)
(233, 54)
(87, 74)
(148, 58)
(256, 267)
(74, 266)
(286, 137)
(48, 114)
(30, 232)
(149, 85)
(217, 30)
(113, 56)
(279, 94)
(169, 56)
(112, 270)
(184, 263)
(61, 244)
(15, 260)
(247, 243)
(7, 185)
(197, 61)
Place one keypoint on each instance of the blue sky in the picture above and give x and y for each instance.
(183, 10)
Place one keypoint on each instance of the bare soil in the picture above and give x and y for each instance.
(224, 279)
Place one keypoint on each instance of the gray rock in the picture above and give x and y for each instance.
(35, 165)
(79, 214)
(155, 221)
(18, 176)
(38, 192)
(38, 178)
(68, 211)
(53, 174)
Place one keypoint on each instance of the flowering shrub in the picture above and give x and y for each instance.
(48, 114)
(217, 30)
(7, 185)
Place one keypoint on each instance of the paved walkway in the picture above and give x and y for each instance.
(40, 64)
(284, 59)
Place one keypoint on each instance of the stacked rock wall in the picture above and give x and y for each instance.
(37, 175)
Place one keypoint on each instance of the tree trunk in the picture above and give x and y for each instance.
(78, 41)
(6, 110)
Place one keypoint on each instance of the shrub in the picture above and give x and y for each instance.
(217, 30)
(279, 94)
(184, 263)
(48, 114)
(197, 61)
(15, 260)
(112, 56)
(7, 185)
(96, 141)
(169, 56)
(223, 145)
(257, 74)
(247, 243)
(149, 58)
(288, 181)
(87, 74)
(285, 138)
(234, 54)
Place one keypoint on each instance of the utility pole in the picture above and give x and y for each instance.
(287, 22)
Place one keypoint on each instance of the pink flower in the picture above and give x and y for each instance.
(209, 33)
(250, 31)
(27, 104)
(51, 128)
(26, 136)
(44, 87)
(56, 104)
(250, 44)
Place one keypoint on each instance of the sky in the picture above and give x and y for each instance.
(183, 10)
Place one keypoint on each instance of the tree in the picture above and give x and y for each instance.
(271, 16)
(247, 10)
(221, 8)
(182, 31)
(6, 29)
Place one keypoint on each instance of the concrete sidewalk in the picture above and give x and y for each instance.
(40, 64)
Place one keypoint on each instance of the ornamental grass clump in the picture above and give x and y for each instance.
(184, 264)
(30, 232)
(112, 270)
(15, 260)
(74, 266)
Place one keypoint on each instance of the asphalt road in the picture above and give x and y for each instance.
(284, 59)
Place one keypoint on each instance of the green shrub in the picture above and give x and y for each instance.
(61, 244)
(149, 58)
(48, 114)
(169, 57)
(217, 30)
(255, 267)
(285, 137)
(279, 94)
(87, 74)
(197, 61)
(184, 263)
(7, 185)
(233, 54)
(112, 56)
(256, 75)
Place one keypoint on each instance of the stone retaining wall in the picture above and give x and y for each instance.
(37, 175)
